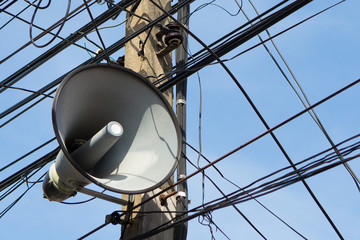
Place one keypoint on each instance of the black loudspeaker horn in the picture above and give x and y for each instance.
(115, 129)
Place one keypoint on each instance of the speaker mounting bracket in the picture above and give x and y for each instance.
(103, 196)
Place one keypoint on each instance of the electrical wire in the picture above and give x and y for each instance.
(253, 140)
(26, 90)
(8, 208)
(234, 198)
(304, 100)
(246, 144)
(297, 115)
(354, 83)
(277, 16)
(237, 186)
(18, 14)
(97, 32)
(41, 35)
(18, 75)
(225, 44)
(219, 189)
(27, 154)
(72, 14)
(24, 110)
(31, 97)
(81, 202)
(208, 217)
(228, 12)
(28, 169)
(113, 48)
(7, 6)
(37, 7)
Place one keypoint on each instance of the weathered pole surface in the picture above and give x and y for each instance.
(180, 231)
(141, 57)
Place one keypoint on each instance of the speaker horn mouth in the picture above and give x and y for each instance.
(146, 154)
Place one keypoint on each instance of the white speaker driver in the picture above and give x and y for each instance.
(145, 155)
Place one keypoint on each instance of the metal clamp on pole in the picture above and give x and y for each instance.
(103, 196)
(113, 218)
(180, 101)
(164, 197)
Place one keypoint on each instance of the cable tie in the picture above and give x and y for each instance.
(180, 101)
(181, 176)
(181, 194)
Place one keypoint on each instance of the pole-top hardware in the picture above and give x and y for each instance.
(164, 197)
(169, 38)
(113, 218)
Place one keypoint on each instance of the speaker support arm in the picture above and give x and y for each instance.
(103, 196)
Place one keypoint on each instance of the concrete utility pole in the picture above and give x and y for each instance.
(141, 57)
(180, 231)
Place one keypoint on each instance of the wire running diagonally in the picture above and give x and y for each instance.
(354, 83)
(37, 7)
(303, 99)
(290, 8)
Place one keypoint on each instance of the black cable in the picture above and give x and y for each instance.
(97, 32)
(18, 14)
(27, 90)
(305, 102)
(224, 202)
(272, 20)
(27, 154)
(219, 189)
(93, 231)
(232, 152)
(37, 7)
(32, 97)
(253, 140)
(7, 6)
(15, 77)
(131, 11)
(227, 201)
(200, 55)
(24, 110)
(45, 31)
(28, 169)
(207, 217)
(237, 186)
(73, 13)
(245, 35)
(77, 203)
(11, 189)
(113, 48)
(291, 7)
(7, 209)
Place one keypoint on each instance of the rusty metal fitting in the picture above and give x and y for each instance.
(164, 197)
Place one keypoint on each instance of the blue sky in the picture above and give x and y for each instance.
(322, 53)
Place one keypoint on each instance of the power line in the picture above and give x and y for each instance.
(71, 15)
(112, 49)
(27, 154)
(15, 77)
(237, 186)
(37, 7)
(28, 169)
(243, 146)
(265, 188)
(229, 154)
(304, 101)
(263, 25)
